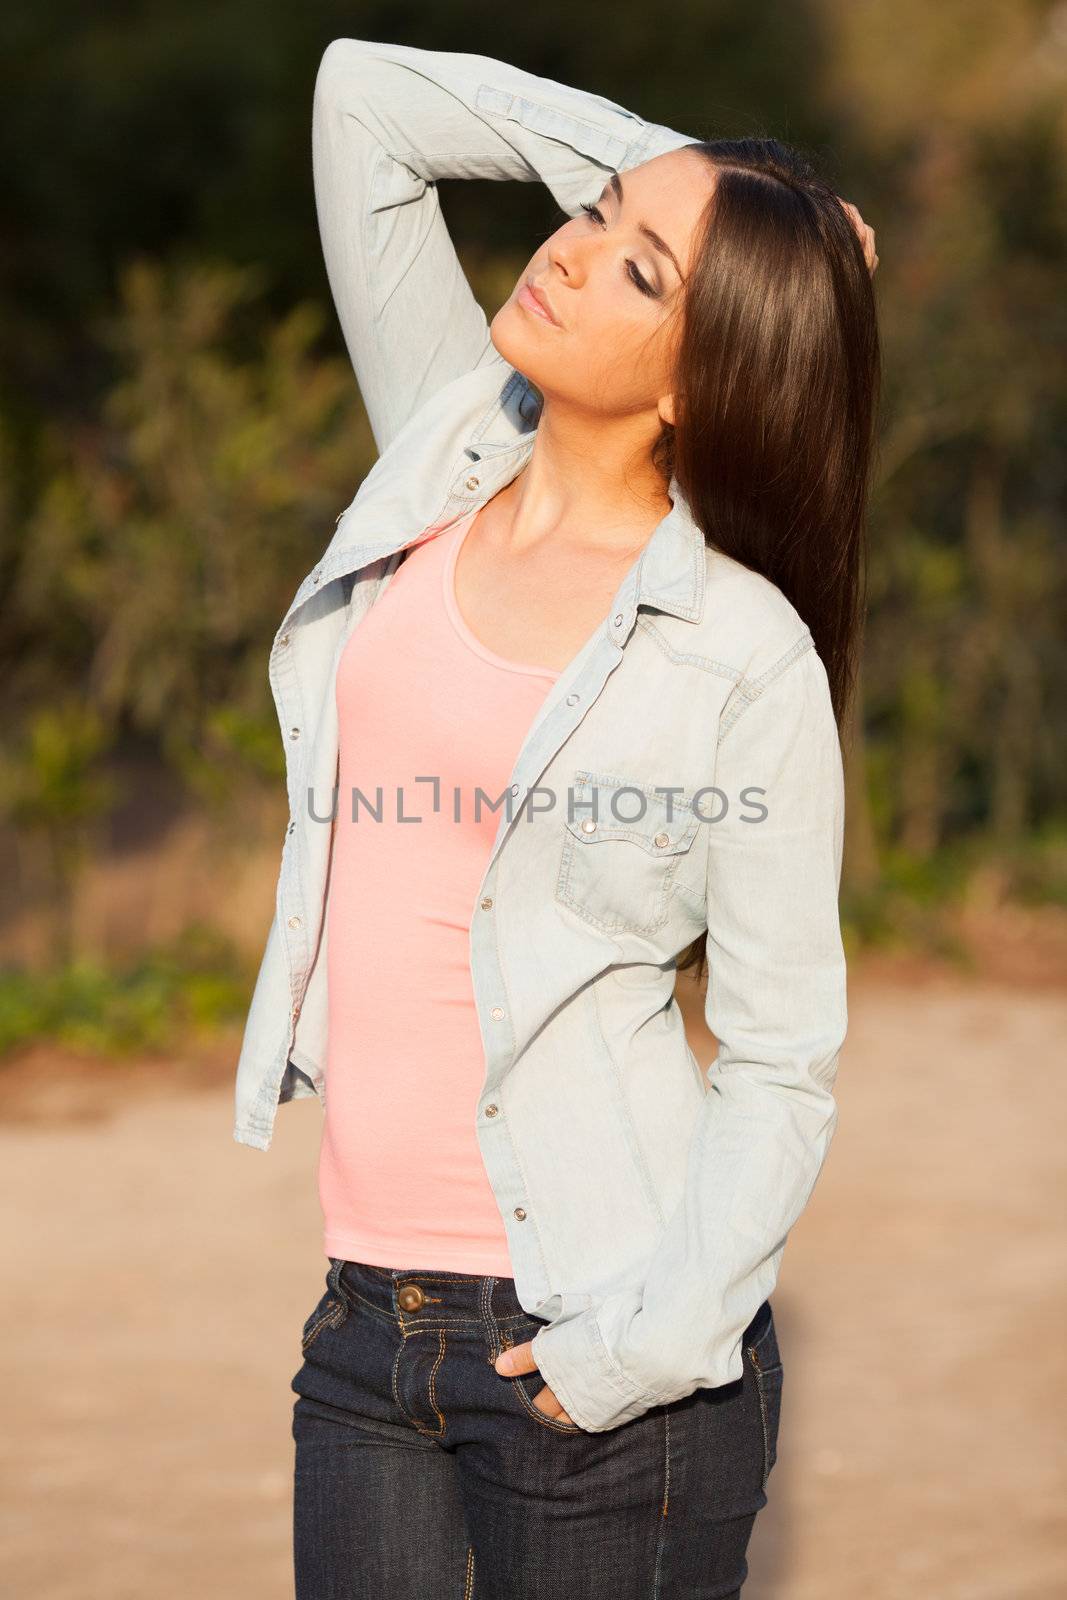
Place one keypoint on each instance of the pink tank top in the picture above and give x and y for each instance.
(401, 1177)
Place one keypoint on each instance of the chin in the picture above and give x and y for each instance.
(513, 339)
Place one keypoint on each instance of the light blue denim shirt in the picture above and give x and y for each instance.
(646, 1202)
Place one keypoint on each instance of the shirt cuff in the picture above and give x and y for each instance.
(575, 1363)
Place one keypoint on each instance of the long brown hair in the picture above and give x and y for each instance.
(776, 390)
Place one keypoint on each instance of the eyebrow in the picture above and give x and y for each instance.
(642, 227)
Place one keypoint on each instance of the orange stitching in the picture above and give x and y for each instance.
(316, 1329)
(763, 1415)
(433, 1379)
(667, 1472)
(396, 1374)
(430, 1277)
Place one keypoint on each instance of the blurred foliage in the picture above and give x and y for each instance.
(52, 791)
(172, 524)
(166, 999)
(179, 423)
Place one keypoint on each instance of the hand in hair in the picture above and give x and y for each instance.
(865, 234)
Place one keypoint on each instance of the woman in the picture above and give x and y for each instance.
(604, 577)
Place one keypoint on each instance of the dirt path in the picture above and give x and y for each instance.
(158, 1274)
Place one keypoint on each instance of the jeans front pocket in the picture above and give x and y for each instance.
(524, 1385)
(621, 852)
(525, 1399)
(765, 1358)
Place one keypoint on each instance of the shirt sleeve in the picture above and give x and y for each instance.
(776, 1002)
(388, 121)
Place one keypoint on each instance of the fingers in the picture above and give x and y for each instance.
(520, 1358)
(546, 1401)
(865, 235)
(558, 1416)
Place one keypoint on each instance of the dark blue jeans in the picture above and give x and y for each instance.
(423, 1474)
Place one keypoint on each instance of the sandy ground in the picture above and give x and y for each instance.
(158, 1275)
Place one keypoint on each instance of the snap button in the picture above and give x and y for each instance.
(487, 902)
(284, 639)
(411, 1297)
(294, 733)
(588, 826)
(496, 1013)
(618, 620)
(295, 922)
(573, 699)
(520, 1213)
(316, 575)
(472, 482)
(662, 838)
(491, 1111)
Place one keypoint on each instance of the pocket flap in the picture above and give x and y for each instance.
(663, 825)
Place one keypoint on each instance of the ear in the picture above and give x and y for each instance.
(666, 409)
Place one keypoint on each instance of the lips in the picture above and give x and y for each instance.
(541, 304)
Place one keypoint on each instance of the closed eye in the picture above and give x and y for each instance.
(631, 266)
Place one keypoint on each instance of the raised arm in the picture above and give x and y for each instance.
(388, 121)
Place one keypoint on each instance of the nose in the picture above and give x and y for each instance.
(565, 256)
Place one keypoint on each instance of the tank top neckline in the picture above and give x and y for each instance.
(458, 534)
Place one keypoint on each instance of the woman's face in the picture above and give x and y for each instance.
(614, 290)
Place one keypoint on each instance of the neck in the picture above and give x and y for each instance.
(587, 481)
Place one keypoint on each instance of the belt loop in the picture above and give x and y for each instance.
(333, 1278)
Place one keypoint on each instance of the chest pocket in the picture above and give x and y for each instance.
(621, 852)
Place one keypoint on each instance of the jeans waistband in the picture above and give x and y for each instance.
(427, 1294)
